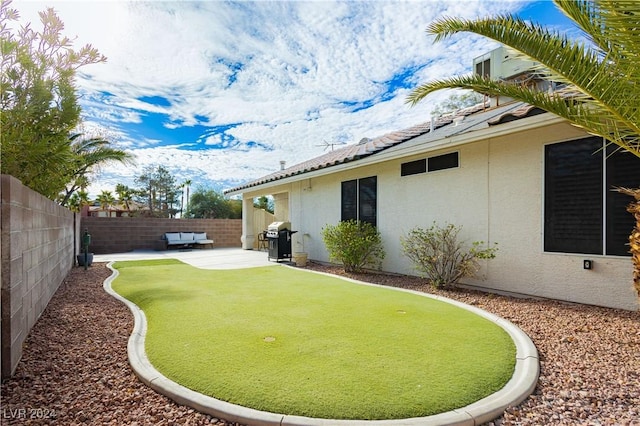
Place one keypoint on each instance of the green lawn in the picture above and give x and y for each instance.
(288, 341)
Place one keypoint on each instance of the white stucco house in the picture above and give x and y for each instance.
(511, 174)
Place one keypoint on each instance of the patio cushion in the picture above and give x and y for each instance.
(186, 236)
(197, 236)
(172, 236)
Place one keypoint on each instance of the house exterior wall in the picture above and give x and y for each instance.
(495, 194)
(281, 204)
(522, 266)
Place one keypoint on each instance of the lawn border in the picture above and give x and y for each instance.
(519, 387)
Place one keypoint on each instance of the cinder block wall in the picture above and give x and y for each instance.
(123, 234)
(37, 253)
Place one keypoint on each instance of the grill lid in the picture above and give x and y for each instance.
(279, 226)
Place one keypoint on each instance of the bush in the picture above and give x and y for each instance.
(440, 257)
(355, 244)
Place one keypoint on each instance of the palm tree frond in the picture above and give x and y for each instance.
(620, 24)
(602, 76)
(595, 118)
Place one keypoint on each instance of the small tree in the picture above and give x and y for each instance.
(355, 244)
(210, 204)
(264, 203)
(440, 257)
(158, 190)
(38, 101)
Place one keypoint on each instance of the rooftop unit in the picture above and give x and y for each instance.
(502, 64)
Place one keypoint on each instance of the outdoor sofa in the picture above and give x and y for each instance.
(187, 239)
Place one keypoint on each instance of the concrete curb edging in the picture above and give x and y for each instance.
(519, 387)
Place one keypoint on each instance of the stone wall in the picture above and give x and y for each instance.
(39, 240)
(123, 234)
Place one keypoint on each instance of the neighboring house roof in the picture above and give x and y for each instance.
(466, 120)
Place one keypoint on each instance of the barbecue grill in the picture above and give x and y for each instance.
(279, 238)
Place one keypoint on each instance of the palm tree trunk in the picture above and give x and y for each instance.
(634, 238)
(182, 203)
(634, 241)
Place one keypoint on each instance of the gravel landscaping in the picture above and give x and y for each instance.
(74, 368)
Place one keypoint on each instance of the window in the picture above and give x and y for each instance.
(349, 200)
(581, 213)
(483, 68)
(431, 164)
(359, 200)
(413, 167)
(441, 162)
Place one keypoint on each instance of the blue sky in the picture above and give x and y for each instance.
(221, 92)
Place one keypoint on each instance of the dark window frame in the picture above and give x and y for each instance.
(435, 163)
(450, 160)
(483, 68)
(349, 200)
(413, 167)
(359, 200)
(582, 215)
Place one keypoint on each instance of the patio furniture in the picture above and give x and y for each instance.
(187, 239)
(263, 243)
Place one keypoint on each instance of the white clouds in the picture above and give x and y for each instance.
(287, 74)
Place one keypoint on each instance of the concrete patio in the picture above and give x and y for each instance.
(218, 258)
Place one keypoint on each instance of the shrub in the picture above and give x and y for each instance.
(440, 257)
(355, 244)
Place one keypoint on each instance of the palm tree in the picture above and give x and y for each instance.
(186, 184)
(602, 77)
(83, 197)
(634, 238)
(74, 203)
(78, 200)
(125, 195)
(88, 154)
(106, 199)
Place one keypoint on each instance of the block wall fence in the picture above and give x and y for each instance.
(123, 234)
(39, 242)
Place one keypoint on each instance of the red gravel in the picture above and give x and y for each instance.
(74, 368)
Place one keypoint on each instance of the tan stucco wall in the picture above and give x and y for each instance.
(495, 194)
(516, 180)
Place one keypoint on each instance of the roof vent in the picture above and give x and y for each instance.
(282, 164)
(364, 141)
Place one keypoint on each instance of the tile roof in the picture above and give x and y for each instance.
(524, 110)
(448, 124)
